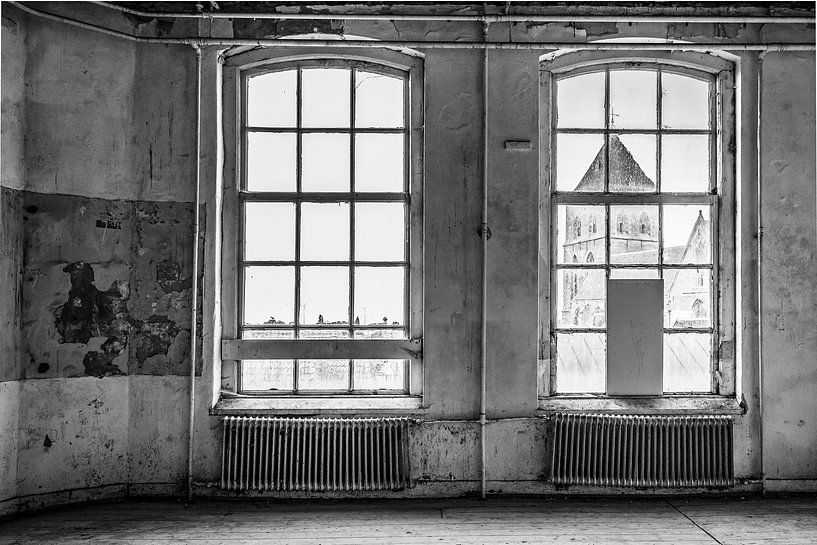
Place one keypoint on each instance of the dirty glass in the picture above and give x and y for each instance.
(325, 96)
(391, 333)
(687, 361)
(580, 101)
(269, 231)
(325, 231)
(267, 375)
(325, 162)
(634, 234)
(687, 235)
(581, 363)
(379, 296)
(272, 99)
(269, 295)
(378, 374)
(323, 333)
(685, 102)
(379, 162)
(323, 374)
(633, 99)
(271, 161)
(378, 100)
(581, 234)
(637, 274)
(324, 295)
(687, 302)
(380, 231)
(582, 298)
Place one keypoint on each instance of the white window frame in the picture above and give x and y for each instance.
(553, 66)
(233, 349)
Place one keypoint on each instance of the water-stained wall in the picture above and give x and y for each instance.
(97, 215)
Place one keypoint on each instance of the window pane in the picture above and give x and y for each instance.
(323, 374)
(634, 234)
(378, 374)
(685, 102)
(325, 162)
(685, 163)
(579, 162)
(379, 294)
(687, 234)
(325, 231)
(269, 232)
(380, 232)
(271, 161)
(686, 298)
(268, 334)
(257, 375)
(581, 298)
(323, 334)
(581, 362)
(324, 295)
(687, 362)
(269, 295)
(325, 97)
(391, 333)
(378, 100)
(379, 162)
(580, 101)
(581, 231)
(619, 274)
(272, 99)
(632, 162)
(632, 99)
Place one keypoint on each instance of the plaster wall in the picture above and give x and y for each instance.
(108, 176)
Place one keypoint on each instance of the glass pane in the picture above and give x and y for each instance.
(685, 102)
(580, 101)
(379, 162)
(619, 274)
(686, 298)
(632, 162)
(269, 295)
(325, 231)
(325, 162)
(581, 362)
(267, 375)
(378, 375)
(325, 97)
(685, 163)
(324, 295)
(391, 333)
(323, 374)
(687, 362)
(581, 231)
(379, 294)
(323, 334)
(380, 232)
(687, 234)
(378, 100)
(579, 162)
(634, 234)
(632, 99)
(581, 298)
(269, 233)
(268, 334)
(272, 99)
(271, 161)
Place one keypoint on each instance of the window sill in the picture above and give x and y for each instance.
(319, 406)
(663, 405)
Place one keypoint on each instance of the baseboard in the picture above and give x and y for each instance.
(790, 485)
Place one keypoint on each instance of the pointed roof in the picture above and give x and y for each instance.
(625, 173)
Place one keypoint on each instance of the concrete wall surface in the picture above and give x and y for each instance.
(96, 268)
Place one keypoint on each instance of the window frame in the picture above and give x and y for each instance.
(722, 178)
(235, 71)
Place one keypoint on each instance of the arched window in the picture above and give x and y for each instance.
(698, 309)
(590, 258)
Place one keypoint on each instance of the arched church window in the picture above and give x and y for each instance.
(590, 258)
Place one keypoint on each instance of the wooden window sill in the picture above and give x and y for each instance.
(663, 405)
(319, 406)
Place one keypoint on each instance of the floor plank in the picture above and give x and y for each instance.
(405, 522)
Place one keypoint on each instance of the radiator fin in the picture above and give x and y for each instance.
(655, 451)
(314, 454)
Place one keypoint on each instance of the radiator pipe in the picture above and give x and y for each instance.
(357, 44)
(194, 303)
(515, 18)
(484, 235)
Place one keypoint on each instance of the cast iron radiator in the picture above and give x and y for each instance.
(658, 451)
(314, 454)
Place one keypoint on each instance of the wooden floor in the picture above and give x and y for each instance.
(494, 521)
